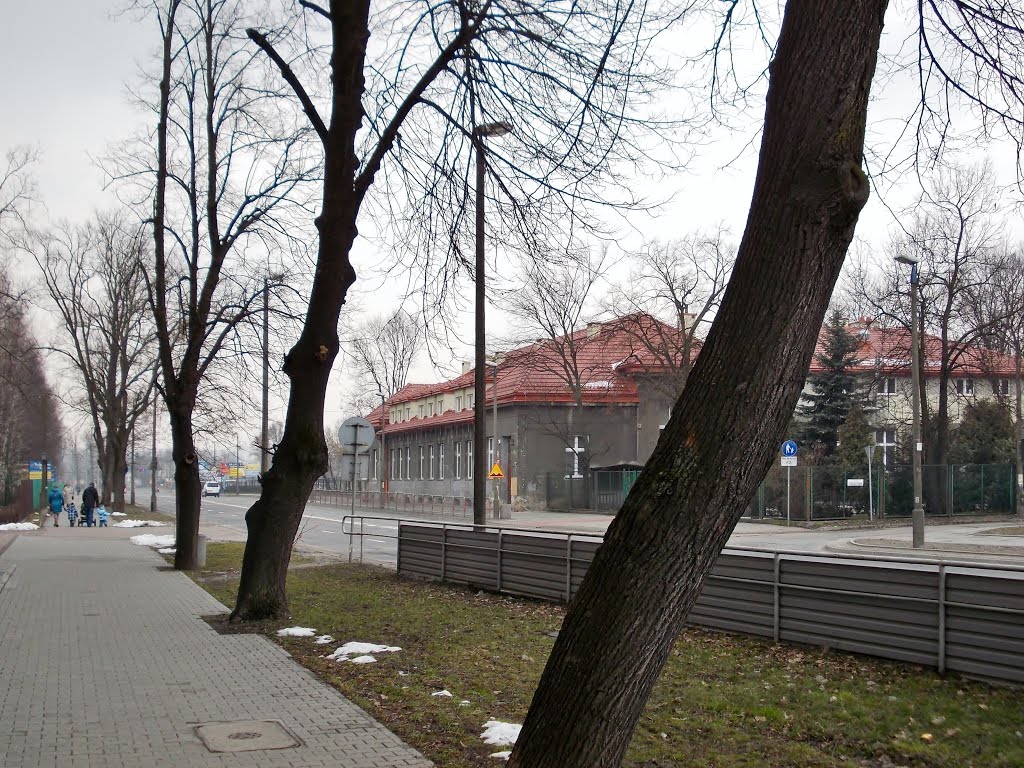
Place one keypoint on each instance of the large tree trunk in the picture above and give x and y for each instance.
(187, 488)
(727, 424)
(301, 456)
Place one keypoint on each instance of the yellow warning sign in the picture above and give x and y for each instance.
(495, 472)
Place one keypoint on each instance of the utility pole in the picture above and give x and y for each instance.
(917, 514)
(238, 465)
(92, 464)
(497, 450)
(153, 465)
(78, 474)
(131, 498)
(265, 426)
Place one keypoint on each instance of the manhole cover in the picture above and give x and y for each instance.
(245, 736)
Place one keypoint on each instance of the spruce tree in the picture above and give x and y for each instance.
(833, 390)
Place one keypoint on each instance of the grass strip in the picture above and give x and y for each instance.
(722, 700)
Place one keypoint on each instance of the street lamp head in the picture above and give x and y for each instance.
(904, 258)
(499, 128)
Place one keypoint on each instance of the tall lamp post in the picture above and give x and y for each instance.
(480, 132)
(383, 448)
(917, 516)
(238, 465)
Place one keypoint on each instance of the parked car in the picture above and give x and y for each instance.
(212, 488)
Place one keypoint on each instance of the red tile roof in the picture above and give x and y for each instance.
(604, 357)
(887, 350)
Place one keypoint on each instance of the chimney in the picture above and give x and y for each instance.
(593, 329)
(466, 366)
(686, 321)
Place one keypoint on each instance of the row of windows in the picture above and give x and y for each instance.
(887, 386)
(429, 461)
(431, 408)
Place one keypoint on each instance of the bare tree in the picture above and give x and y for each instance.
(680, 282)
(17, 191)
(475, 63)
(720, 440)
(381, 351)
(955, 232)
(94, 281)
(222, 167)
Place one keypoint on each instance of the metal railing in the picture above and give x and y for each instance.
(957, 615)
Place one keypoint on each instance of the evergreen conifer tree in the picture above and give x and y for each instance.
(833, 390)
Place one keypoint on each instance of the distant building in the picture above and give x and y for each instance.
(884, 374)
(567, 406)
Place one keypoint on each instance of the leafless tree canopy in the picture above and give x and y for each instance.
(381, 350)
(93, 278)
(17, 192)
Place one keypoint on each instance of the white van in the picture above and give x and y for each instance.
(212, 488)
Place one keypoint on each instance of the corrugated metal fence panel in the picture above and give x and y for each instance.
(987, 643)
(419, 551)
(534, 566)
(882, 609)
(738, 595)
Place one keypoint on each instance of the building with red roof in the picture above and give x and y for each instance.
(594, 398)
(884, 372)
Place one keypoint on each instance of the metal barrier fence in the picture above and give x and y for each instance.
(953, 616)
(826, 492)
(457, 507)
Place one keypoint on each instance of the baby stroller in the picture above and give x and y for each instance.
(72, 514)
(86, 518)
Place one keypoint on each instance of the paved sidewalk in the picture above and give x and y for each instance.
(106, 663)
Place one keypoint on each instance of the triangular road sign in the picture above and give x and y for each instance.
(495, 472)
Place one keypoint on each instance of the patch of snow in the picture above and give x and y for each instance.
(350, 648)
(150, 540)
(464, 703)
(598, 385)
(446, 693)
(167, 551)
(296, 632)
(502, 755)
(18, 527)
(499, 733)
(364, 660)
(139, 524)
(403, 674)
(324, 639)
(119, 514)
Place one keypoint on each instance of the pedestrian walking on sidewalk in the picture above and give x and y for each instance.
(56, 499)
(90, 500)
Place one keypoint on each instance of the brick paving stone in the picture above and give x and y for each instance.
(106, 662)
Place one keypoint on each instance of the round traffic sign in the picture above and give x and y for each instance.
(789, 448)
(355, 435)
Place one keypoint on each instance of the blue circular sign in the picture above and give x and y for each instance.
(789, 448)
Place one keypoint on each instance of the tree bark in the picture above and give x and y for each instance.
(727, 424)
(187, 487)
(301, 456)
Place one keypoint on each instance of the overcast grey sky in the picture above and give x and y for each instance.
(68, 65)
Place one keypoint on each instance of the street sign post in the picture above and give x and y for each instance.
(870, 451)
(356, 437)
(789, 449)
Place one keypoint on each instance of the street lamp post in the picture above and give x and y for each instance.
(383, 448)
(917, 516)
(238, 466)
(480, 132)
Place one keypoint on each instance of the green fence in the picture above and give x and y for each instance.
(832, 493)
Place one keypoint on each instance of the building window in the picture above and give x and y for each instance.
(373, 460)
(490, 451)
(458, 460)
(431, 466)
(431, 407)
(572, 455)
(440, 405)
(1001, 387)
(458, 402)
(421, 410)
(887, 386)
(469, 399)
(440, 461)
(407, 411)
(469, 459)
(965, 386)
(391, 463)
(886, 440)
(421, 463)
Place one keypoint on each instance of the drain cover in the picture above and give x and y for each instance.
(245, 736)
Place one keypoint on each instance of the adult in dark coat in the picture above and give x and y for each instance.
(90, 500)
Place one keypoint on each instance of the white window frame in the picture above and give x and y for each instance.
(421, 462)
(1001, 387)
(376, 452)
(440, 461)
(408, 463)
(458, 459)
(421, 410)
(440, 406)
(458, 402)
(490, 451)
(965, 387)
(886, 386)
(430, 465)
(391, 463)
(884, 443)
(430, 408)
(575, 450)
(469, 459)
